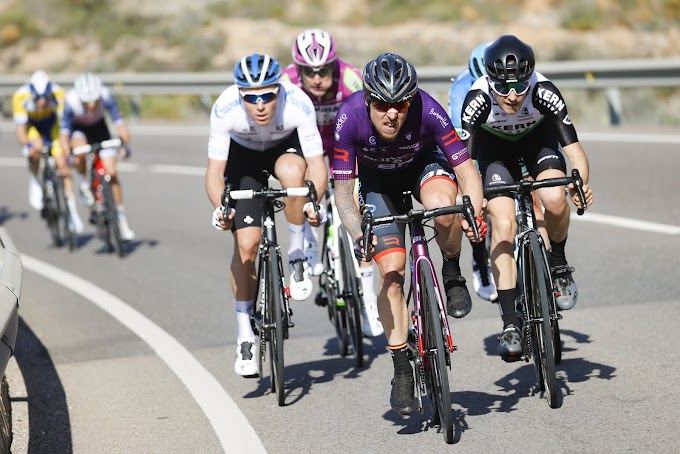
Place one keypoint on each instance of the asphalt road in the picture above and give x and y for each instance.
(136, 354)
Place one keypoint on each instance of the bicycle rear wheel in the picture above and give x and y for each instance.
(351, 295)
(64, 213)
(330, 282)
(275, 326)
(51, 205)
(541, 329)
(114, 238)
(436, 353)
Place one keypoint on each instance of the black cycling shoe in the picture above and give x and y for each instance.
(321, 299)
(510, 344)
(458, 301)
(402, 397)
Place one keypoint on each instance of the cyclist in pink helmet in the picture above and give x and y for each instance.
(328, 81)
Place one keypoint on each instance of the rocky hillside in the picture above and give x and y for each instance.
(191, 35)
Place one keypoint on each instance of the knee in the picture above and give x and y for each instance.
(504, 227)
(393, 283)
(554, 201)
(291, 173)
(247, 248)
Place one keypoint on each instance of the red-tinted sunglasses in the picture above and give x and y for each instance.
(383, 106)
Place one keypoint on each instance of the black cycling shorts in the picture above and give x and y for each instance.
(95, 133)
(382, 194)
(500, 161)
(245, 171)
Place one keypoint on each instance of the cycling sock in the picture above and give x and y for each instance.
(367, 284)
(506, 300)
(244, 327)
(479, 253)
(311, 234)
(297, 239)
(556, 256)
(451, 266)
(400, 355)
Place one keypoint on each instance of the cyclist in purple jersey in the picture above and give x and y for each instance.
(328, 81)
(402, 139)
(514, 112)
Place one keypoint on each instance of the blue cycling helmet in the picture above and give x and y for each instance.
(257, 70)
(476, 63)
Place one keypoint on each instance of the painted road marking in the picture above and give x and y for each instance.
(229, 423)
(627, 223)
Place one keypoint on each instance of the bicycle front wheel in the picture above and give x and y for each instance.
(64, 213)
(276, 320)
(351, 295)
(541, 329)
(114, 238)
(436, 353)
(51, 206)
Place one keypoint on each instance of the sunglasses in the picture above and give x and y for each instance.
(382, 106)
(264, 97)
(322, 71)
(504, 88)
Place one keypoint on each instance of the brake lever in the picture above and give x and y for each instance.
(367, 229)
(313, 197)
(578, 185)
(469, 214)
(225, 201)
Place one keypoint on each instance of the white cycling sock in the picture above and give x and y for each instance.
(244, 328)
(311, 234)
(297, 239)
(367, 285)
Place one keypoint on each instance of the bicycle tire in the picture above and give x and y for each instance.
(115, 240)
(435, 362)
(276, 307)
(541, 329)
(336, 314)
(557, 341)
(351, 296)
(64, 214)
(50, 205)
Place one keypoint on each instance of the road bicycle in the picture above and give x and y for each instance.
(55, 210)
(535, 292)
(429, 337)
(271, 315)
(104, 211)
(340, 282)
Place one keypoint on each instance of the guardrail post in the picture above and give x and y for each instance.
(614, 103)
(206, 102)
(135, 105)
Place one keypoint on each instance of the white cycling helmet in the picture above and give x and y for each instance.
(40, 84)
(89, 87)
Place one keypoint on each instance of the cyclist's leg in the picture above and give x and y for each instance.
(437, 188)
(243, 276)
(79, 138)
(32, 152)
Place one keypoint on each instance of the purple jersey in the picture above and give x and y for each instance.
(427, 126)
(346, 80)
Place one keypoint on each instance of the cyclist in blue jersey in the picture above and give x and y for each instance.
(515, 112)
(262, 123)
(482, 277)
(397, 138)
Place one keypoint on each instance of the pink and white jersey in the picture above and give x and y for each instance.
(346, 80)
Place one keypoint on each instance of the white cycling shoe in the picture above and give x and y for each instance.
(86, 196)
(246, 362)
(313, 260)
(371, 322)
(486, 292)
(35, 193)
(125, 231)
(300, 283)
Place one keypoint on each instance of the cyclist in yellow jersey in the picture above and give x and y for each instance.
(38, 106)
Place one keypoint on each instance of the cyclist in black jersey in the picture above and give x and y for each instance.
(515, 112)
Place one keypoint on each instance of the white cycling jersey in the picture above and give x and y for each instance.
(294, 111)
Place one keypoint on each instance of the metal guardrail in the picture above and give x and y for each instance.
(11, 272)
(569, 74)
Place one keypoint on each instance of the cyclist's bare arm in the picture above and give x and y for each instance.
(318, 173)
(470, 183)
(64, 140)
(347, 207)
(214, 181)
(123, 132)
(22, 134)
(579, 160)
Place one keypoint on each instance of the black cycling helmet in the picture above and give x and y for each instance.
(509, 60)
(390, 78)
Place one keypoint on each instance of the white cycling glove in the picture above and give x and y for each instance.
(322, 211)
(216, 220)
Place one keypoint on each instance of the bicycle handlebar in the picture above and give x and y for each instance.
(268, 193)
(420, 215)
(84, 149)
(526, 186)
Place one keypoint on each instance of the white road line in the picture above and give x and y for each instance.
(627, 223)
(229, 423)
(178, 170)
(615, 137)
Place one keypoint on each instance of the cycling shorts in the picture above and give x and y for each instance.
(500, 161)
(382, 194)
(245, 171)
(47, 136)
(95, 133)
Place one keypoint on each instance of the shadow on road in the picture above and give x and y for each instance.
(7, 215)
(49, 421)
(300, 378)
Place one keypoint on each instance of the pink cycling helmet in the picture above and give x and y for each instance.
(314, 48)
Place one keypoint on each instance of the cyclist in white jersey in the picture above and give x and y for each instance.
(514, 112)
(262, 123)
